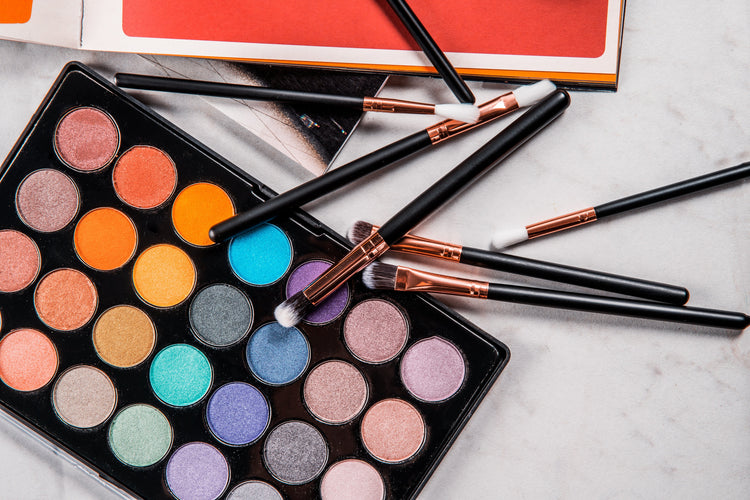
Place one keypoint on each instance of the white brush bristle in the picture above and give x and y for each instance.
(379, 275)
(292, 310)
(509, 237)
(531, 94)
(467, 113)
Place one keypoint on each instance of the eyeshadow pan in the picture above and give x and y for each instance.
(197, 208)
(433, 369)
(105, 239)
(197, 471)
(65, 299)
(393, 430)
(295, 452)
(28, 359)
(254, 490)
(237, 414)
(220, 315)
(140, 435)
(47, 200)
(335, 392)
(352, 479)
(84, 397)
(180, 375)
(277, 355)
(164, 275)
(86, 139)
(261, 256)
(124, 336)
(332, 307)
(375, 331)
(144, 177)
(20, 261)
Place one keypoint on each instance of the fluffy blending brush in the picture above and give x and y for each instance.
(528, 267)
(403, 279)
(467, 113)
(291, 311)
(339, 177)
(512, 236)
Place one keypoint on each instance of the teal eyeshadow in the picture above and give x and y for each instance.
(180, 375)
(277, 355)
(261, 256)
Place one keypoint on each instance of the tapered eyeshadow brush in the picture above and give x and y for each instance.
(528, 267)
(381, 276)
(292, 310)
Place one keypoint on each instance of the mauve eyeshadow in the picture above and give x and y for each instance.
(197, 471)
(375, 331)
(86, 139)
(433, 369)
(331, 307)
(47, 200)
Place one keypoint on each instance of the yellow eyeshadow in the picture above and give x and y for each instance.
(164, 275)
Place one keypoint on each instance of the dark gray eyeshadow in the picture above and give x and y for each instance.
(295, 452)
(220, 315)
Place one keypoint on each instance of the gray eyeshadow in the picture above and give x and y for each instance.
(220, 315)
(295, 452)
(254, 490)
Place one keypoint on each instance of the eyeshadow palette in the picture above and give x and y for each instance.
(151, 356)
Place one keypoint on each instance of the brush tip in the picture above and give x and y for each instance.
(508, 237)
(531, 94)
(292, 310)
(359, 231)
(378, 276)
(467, 113)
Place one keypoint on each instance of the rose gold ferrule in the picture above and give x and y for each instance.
(356, 260)
(413, 280)
(397, 106)
(430, 248)
(562, 222)
(488, 111)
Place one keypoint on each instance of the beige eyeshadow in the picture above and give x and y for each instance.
(84, 397)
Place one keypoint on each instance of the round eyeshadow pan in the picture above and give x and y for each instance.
(105, 239)
(220, 315)
(261, 256)
(180, 375)
(164, 275)
(65, 299)
(28, 360)
(254, 490)
(197, 209)
(144, 177)
(20, 261)
(124, 336)
(375, 331)
(393, 430)
(295, 452)
(197, 471)
(47, 200)
(352, 479)
(335, 392)
(140, 435)
(84, 397)
(237, 414)
(332, 307)
(433, 369)
(277, 355)
(86, 139)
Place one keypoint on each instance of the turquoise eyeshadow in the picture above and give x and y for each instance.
(180, 375)
(277, 355)
(261, 256)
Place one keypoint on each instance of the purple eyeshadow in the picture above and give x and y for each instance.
(197, 471)
(330, 308)
(237, 413)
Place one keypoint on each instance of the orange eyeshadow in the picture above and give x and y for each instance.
(105, 239)
(65, 299)
(144, 177)
(197, 208)
(28, 359)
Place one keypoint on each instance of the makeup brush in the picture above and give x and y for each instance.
(432, 50)
(291, 311)
(381, 276)
(528, 267)
(512, 236)
(462, 112)
(343, 175)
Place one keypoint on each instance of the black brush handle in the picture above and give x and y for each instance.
(500, 146)
(681, 188)
(432, 51)
(651, 290)
(217, 89)
(622, 307)
(324, 184)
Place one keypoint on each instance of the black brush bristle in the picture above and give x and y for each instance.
(380, 276)
(359, 231)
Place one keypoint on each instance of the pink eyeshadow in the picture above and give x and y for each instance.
(86, 139)
(433, 369)
(375, 331)
(19, 261)
(393, 431)
(47, 200)
(352, 478)
(335, 392)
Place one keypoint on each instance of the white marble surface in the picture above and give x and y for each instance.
(590, 406)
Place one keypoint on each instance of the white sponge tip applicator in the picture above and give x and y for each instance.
(508, 237)
(467, 113)
(531, 94)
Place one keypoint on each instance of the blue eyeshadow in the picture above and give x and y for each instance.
(260, 256)
(277, 355)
